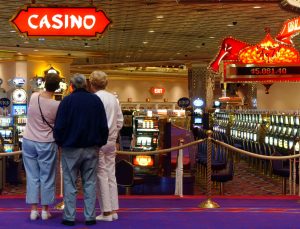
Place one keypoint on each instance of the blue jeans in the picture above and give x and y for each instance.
(83, 160)
(39, 160)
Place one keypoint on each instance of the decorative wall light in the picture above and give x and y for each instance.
(51, 70)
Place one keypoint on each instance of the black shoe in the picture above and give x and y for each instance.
(68, 222)
(90, 222)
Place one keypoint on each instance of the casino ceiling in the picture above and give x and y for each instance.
(154, 33)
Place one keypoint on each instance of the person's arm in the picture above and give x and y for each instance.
(103, 124)
(120, 118)
(60, 122)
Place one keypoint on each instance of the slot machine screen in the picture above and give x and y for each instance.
(144, 141)
(2, 132)
(8, 148)
(8, 133)
(19, 109)
(198, 121)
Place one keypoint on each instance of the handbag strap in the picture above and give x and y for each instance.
(43, 117)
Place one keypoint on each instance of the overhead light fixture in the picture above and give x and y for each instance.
(159, 16)
(151, 31)
(230, 25)
(256, 7)
(145, 42)
(12, 31)
(211, 37)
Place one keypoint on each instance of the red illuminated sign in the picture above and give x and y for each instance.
(143, 160)
(50, 21)
(267, 61)
(290, 29)
(157, 90)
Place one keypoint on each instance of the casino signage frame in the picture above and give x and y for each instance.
(60, 21)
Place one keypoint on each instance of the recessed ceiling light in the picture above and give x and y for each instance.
(212, 37)
(159, 16)
(151, 31)
(13, 31)
(230, 25)
(145, 42)
(256, 7)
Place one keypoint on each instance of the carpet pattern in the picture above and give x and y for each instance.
(246, 181)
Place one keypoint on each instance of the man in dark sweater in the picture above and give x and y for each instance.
(80, 130)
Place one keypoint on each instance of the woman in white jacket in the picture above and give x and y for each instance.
(107, 185)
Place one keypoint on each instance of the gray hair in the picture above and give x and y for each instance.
(98, 80)
(79, 81)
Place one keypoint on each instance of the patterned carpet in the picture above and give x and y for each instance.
(246, 181)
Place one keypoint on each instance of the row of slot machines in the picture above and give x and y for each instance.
(11, 130)
(281, 130)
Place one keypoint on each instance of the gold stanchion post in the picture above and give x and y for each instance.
(61, 205)
(209, 203)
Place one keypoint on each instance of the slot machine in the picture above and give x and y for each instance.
(146, 133)
(18, 107)
(6, 122)
(7, 133)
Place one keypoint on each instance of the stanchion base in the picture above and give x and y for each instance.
(60, 206)
(208, 204)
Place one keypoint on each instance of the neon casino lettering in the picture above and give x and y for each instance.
(58, 21)
(293, 26)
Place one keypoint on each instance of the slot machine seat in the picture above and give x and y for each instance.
(223, 175)
(125, 143)
(125, 176)
(218, 160)
(279, 169)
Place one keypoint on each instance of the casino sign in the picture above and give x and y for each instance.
(60, 21)
(271, 60)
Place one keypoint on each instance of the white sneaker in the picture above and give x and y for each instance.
(104, 217)
(115, 216)
(34, 215)
(45, 215)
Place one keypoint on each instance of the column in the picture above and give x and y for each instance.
(201, 84)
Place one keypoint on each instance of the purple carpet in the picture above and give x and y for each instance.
(170, 212)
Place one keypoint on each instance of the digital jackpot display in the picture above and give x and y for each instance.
(250, 72)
